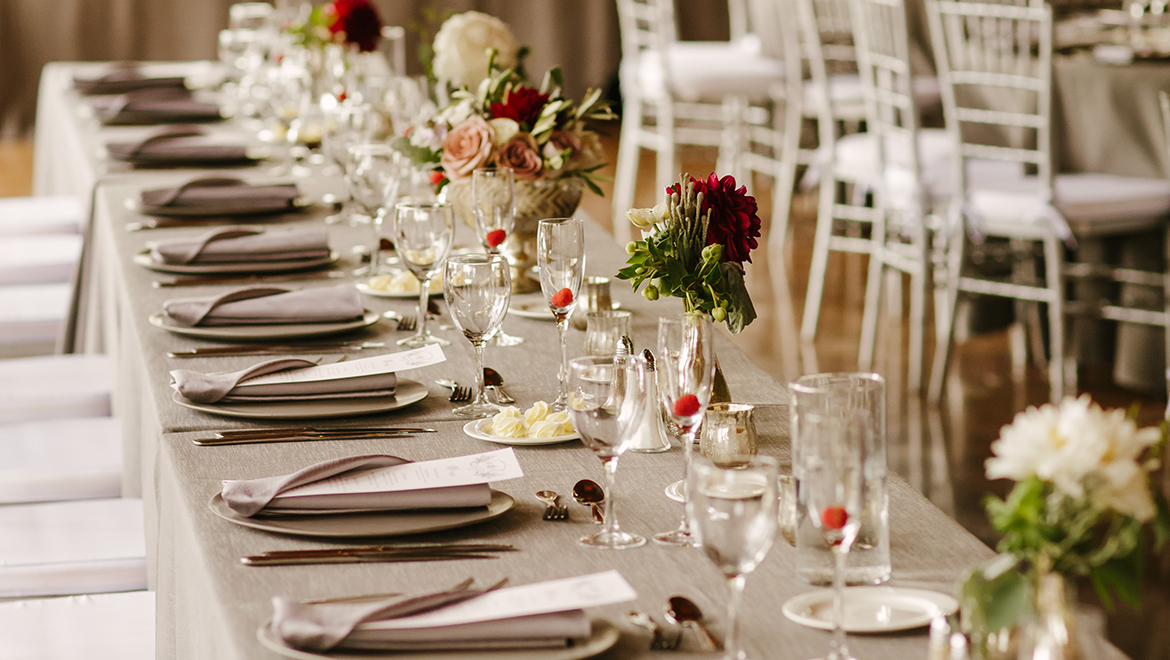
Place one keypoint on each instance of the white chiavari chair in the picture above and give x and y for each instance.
(54, 387)
(992, 56)
(94, 627)
(22, 216)
(60, 459)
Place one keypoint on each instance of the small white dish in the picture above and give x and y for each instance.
(871, 609)
(475, 429)
(366, 289)
(539, 310)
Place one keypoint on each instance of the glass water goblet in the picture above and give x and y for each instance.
(606, 397)
(477, 289)
(733, 510)
(560, 255)
(493, 203)
(686, 371)
(372, 177)
(422, 238)
(346, 124)
(832, 490)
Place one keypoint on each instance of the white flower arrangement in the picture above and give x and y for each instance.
(464, 45)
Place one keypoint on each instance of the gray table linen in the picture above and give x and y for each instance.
(233, 387)
(268, 305)
(244, 244)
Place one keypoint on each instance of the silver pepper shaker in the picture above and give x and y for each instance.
(650, 435)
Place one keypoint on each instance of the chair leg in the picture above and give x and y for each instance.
(1054, 278)
(945, 343)
(665, 167)
(731, 150)
(789, 150)
(918, 285)
(626, 171)
(873, 293)
(820, 258)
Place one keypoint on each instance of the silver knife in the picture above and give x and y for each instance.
(397, 547)
(198, 280)
(299, 437)
(364, 559)
(243, 349)
(245, 433)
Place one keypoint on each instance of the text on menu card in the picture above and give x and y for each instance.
(380, 364)
(499, 465)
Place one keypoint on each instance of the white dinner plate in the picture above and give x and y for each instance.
(406, 393)
(871, 609)
(143, 259)
(539, 310)
(264, 332)
(135, 204)
(604, 635)
(475, 429)
(368, 524)
(364, 287)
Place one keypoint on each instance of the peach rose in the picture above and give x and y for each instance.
(468, 146)
(522, 155)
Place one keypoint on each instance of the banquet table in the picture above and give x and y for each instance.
(211, 606)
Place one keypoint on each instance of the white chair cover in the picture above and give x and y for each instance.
(40, 215)
(54, 386)
(32, 313)
(61, 459)
(39, 258)
(94, 627)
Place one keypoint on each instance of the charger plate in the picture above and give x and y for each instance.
(263, 332)
(406, 393)
(871, 609)
(143, 259)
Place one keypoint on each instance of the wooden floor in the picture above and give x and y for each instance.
(939, 449)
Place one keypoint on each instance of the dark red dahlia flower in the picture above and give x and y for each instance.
(358, 20)
(522, 105)
(735, 223)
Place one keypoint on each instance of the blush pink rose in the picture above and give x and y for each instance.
(522, 155)
(467, 147)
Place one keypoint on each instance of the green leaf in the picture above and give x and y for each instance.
(1161, 523)
(593, 187)
(591, 98)
(741, 312)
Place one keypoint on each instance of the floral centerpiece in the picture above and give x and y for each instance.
(1080, 507)
(353, 23)
(697, 241)
(462, 52)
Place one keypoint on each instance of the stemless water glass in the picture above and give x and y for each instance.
(422, 237)
(733, 518)
(831, 490)
(560, 255)
(686, 370)
(493, 203)
(372, 176)
(477, 289)
(605, 402)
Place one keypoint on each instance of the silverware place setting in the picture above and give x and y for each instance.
(270, 349)
(588, 493)
(554, 510)
(660, 640)
(254, 436)
(404, 552)
(683, 612)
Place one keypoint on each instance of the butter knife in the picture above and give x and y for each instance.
(397, 547)
(302, 436)
(245, 349)
(364, 559)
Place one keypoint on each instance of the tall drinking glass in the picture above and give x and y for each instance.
(373, 172)
(832, 490)
(686, 370)
(560, 255)
(493, 202)
(477, 289)
(422, 237)
(605, 403)
(346, 124)
(733, 512)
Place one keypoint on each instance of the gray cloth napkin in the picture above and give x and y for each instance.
(154, 105)
(123, 79)
(250, 497)
(174, 145)
(265, 305)
(222, 195)
(244, 244)
(233, 388)
(327, 626)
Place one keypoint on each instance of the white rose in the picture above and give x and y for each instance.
(462, 44)
(505, 129)
(641, 218)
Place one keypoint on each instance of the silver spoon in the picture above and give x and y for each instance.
(684, 612)
(588, 493)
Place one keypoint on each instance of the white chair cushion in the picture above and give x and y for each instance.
(33, 312)
(97, 627)
(39, 258)
(845, 95)
(856, 158)
(54, 386)
(705, 68)
(40, 215)
(61, 459)
(62, 548)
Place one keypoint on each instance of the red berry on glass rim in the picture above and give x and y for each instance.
(686, 405)
(437, 177)
(834, 517)
(497, 236)
(562, 298)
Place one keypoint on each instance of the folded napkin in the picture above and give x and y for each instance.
(175, 145)
(234, 387)
(153, 106)
(124, 78)
(271, 494)
(327, 626)
(244, 244)
(263, 305)
(221, 196)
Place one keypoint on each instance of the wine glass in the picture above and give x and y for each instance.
(422, 237)
(346, 124)
(372, 176)
(733, 512)
(606, 396)
(560, 255)
(493, 205)
(831, 489)
(477, 289)
(686, 370)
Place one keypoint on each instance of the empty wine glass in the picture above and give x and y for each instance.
(686, 370)
(422, 237)
(831, 489)
(346, 124)
(733, 518)
(477, 289)
(605, 403)
(493, 205)
(373, 172)
(560, 255)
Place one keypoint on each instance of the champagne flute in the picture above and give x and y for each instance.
(372, 176)
(733, 512)
(560, 254)
(477, 289)
(686, 370)
(606, 397)
(493, 202)
(422, 237)
(832, 487)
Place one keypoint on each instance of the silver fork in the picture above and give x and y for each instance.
(461, 394)
(660, 640)
(408, 323)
